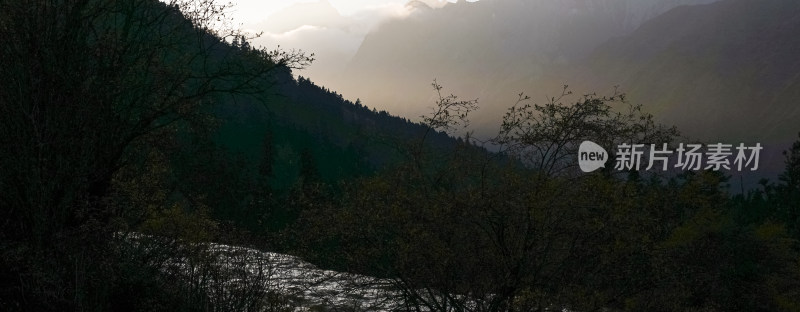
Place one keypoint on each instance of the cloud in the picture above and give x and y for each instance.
(332, 29)
(319, 27)
(333, 47)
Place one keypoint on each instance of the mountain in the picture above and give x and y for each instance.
(418, 5)
(321, 12)
(484, 50)
(727, 70)
(723, 71)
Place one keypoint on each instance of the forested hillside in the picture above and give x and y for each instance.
(156, 117)
(140, 139)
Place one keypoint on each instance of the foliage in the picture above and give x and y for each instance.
(472, 231)
(91, 92)
(547, 136)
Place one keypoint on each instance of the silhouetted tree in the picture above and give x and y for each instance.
(84, 84)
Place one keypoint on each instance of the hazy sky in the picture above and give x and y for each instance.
(332, 29)
(254, 11)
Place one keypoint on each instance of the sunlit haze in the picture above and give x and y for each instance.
(253, 11)
(331, 29)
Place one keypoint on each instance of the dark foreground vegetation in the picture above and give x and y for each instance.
(124, 117)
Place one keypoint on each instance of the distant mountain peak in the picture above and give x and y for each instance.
(319, 13)
(417, 5)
